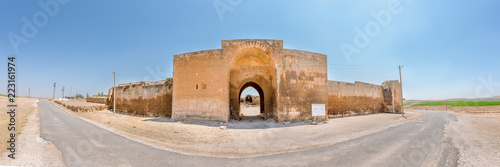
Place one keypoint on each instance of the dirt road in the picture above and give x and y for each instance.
(414, 143)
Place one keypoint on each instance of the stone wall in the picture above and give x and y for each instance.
(302, 81)
(143, 98)
(102, 100)
(81, 106)
(201, 89)
(362, 98)
(393, 97)
(208, 84)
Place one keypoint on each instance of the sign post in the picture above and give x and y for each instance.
(317, 110)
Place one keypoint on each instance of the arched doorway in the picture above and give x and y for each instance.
(253, 67)
(249, 103)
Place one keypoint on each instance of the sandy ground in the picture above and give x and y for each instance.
(82, 103)
(25, 107)
(477, 136)
(249, 110)
(31, 149)
(471, 110)
(250, 137)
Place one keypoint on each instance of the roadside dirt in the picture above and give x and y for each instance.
(24, 108)
(81, 105)
(476, 134)
(31, 149)
(470, 110)
(251, 136)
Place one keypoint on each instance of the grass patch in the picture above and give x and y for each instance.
(461, 103)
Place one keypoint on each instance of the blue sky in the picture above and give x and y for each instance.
(449, 48)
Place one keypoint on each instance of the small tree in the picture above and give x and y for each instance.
(78, 96)
(87, 95)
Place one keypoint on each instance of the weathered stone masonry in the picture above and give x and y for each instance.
(102, 100)
(362, 98)
(143, 98)
(208, 85)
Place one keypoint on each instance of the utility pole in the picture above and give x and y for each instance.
(54, 94)
(63, 92)
(29, 90)
(402, 98)
(114, 93)
(70, 90)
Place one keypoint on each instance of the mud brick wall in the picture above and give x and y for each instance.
(143, 98)
(288, 81)
(302, 82)
(201, 86)
(102, 100)
(355, 98)
(393, 97)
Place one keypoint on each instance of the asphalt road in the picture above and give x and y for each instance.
(416, 143)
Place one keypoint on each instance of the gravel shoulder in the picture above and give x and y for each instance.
(31, 149)
(475, 133)
(477, 137)
(250, 137)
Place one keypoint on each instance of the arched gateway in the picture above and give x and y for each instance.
(252, 67)
(208, 84)
(252, 100)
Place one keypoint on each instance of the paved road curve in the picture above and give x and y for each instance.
(415, 143)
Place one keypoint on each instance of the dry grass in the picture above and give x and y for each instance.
(25, 106)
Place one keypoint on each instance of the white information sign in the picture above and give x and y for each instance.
(318, 110)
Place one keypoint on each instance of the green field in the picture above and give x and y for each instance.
(461, 103)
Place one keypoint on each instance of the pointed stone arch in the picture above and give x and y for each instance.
(254, 67)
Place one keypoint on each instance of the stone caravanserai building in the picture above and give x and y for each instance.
(208, 84)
